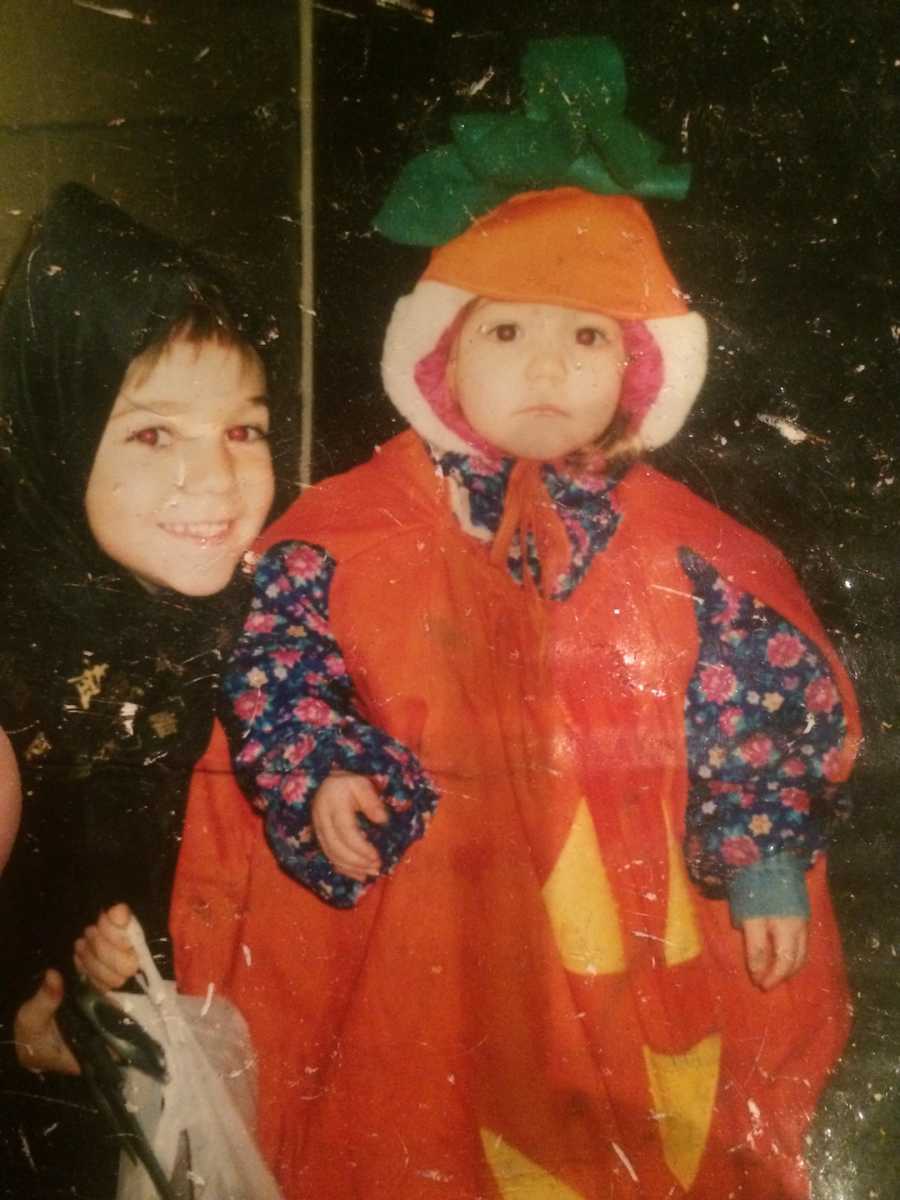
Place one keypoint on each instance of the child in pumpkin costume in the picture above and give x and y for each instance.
(595, 667)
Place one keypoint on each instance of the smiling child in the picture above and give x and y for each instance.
(135, 469)
(183, 473)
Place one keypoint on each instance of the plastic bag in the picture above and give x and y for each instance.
(198, 1121)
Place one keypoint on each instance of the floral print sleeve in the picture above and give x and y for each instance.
(293, 719)
(764, 728)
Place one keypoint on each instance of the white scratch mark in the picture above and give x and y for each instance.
(411, 7)
(123, 14)
(203, 53)
(625, 1161)
(481, 83)
(788, 430)
(24, 1140)
(658, 587)
(207, 1003)
(337, 12)
(248, 957)
(127, 713)
(28, 288)
(756, 1124)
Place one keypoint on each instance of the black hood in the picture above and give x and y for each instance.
(91, 289)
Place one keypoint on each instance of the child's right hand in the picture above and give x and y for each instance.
(39, 1043)
(334, 809)
(103, 954)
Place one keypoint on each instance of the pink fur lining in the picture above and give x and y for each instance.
(431, 379)
(643, 375)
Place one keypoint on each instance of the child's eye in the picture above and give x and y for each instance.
(506, 331)
(247, 433)
(590, 335)
(155, 436)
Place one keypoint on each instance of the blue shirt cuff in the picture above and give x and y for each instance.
(773, 887)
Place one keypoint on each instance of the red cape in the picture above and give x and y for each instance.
(538, 1003)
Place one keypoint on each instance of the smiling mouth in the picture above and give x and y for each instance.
(199, 531)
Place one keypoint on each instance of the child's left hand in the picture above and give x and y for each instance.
(334, 809)
(775, 948)
(104, 954)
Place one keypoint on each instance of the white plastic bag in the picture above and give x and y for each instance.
(199, 1121)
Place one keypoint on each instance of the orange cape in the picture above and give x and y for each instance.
(538, 1004)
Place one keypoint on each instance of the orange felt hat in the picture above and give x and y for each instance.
(564, 246)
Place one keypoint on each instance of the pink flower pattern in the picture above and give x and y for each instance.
(731, 720)
(757, 750)
(794, 767)
(795, 798)
(302, 563)
(821, 695)
(311, 711)
(832, 765)
(740, 851)
(718, 683)
(784, 650)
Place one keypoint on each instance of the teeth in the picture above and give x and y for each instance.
(198, 529)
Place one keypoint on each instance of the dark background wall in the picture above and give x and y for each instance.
(787, 244)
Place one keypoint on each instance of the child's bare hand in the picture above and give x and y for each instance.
(104, 954)
(775, 948)
(39, 1044)
(334, 809)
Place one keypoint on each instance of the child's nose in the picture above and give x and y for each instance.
(206, 467)
(546, 362)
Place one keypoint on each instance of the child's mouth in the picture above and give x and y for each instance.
(205, 532)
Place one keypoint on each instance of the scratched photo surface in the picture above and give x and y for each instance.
(265, 138)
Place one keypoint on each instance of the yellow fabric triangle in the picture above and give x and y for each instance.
(581, 906)
(518, 1178)
(682, 935)
(683, 1087)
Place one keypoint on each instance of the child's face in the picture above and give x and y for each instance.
(182, 480)
(537, 380)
